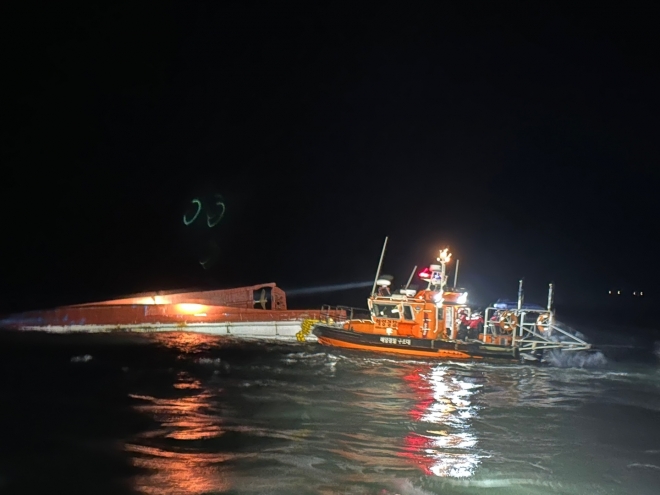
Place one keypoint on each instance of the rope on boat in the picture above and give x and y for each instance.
(305, 328)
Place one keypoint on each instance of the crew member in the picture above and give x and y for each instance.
(494, 323)
(475, 326)
(462, 325)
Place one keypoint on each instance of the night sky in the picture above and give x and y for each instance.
(524, 138)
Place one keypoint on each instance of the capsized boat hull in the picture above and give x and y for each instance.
(408, 346)
(257, 311)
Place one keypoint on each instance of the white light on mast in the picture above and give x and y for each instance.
(445, 256)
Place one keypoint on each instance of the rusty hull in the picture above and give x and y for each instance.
(193, 309)
(241, 297)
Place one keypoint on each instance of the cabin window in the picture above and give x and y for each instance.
(441, 313)
(390, 311)
(408, 313)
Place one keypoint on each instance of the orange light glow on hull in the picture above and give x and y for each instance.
(191, 309)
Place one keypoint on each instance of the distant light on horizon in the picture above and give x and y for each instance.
(635, 293)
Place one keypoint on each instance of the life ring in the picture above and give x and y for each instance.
(542, 322)
(508, 321)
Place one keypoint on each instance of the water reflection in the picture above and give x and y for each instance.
(287, 421)
(185, 342)
(179, 473)
(175, 454)
(444, 443)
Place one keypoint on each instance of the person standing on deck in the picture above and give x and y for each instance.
(462, 325)
(475, 326)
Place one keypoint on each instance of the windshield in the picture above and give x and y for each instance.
(386, 311)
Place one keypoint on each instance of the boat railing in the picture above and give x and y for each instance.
(529, 330)
(338, 315)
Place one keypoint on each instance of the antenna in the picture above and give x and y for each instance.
(456, 274)
(520, 294)
(380, 263)
(412, 274)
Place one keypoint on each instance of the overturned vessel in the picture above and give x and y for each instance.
(258, 311)
(437, 322)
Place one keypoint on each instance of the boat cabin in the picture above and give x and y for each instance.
(432, 313)
(423, 314)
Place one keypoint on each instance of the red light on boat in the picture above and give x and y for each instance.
(425, 273)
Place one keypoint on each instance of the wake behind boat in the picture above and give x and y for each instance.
(437, 322)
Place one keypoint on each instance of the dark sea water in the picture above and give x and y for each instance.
(191, 414)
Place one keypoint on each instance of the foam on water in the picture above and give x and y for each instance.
(574, 359)
(209, 361)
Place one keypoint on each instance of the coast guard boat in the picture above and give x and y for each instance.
(437, 322)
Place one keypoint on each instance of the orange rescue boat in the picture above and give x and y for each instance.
(437, 322)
